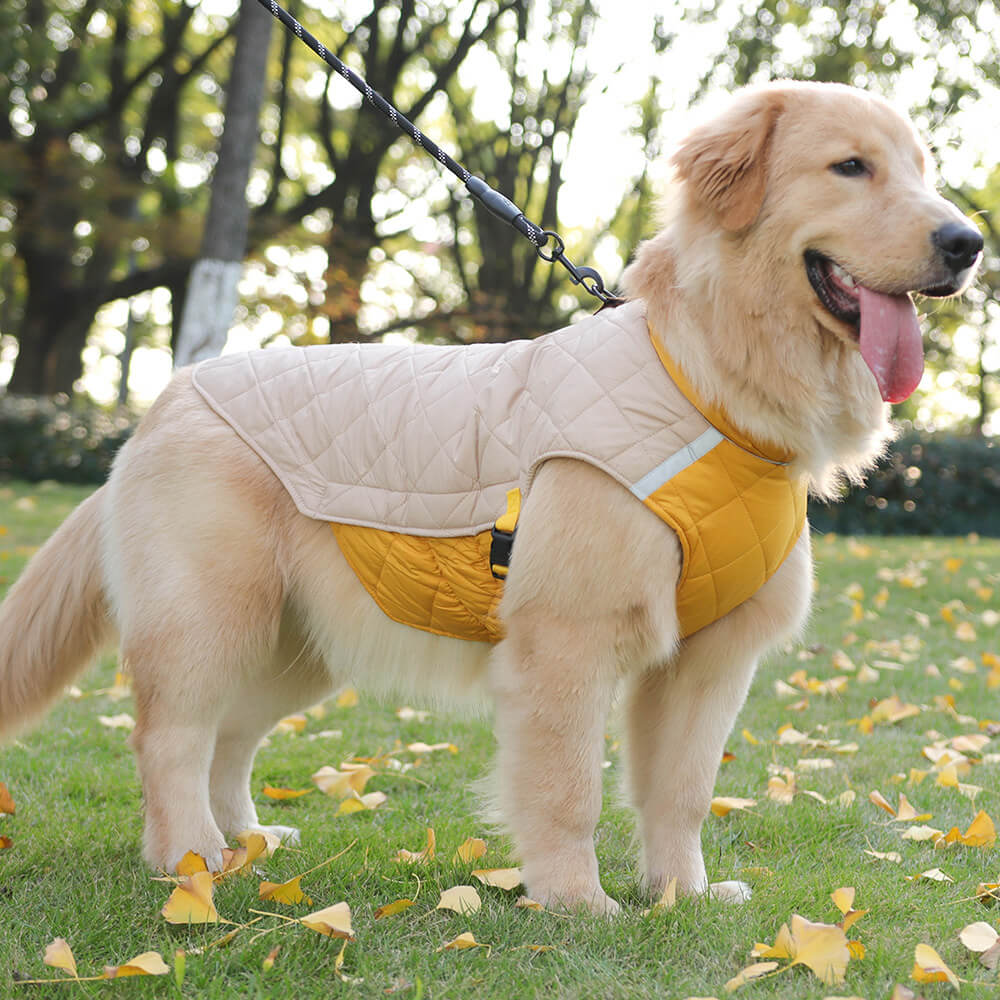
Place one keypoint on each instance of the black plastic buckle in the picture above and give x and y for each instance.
(500, 551)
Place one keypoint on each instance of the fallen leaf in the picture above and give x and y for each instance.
(781, 789)
(123, 721)
(499, 878)
(191, 902)
(723, 806)
(360, 803)
(7, 807)
(333, 921)
(190, 864)
(59, 955)
(149, 963)
(894, 856)
(347, 698)
(471, 849)
(931, 875)
(921, 833)
(750, 973)
(929, 967)
(460, 898)
(462, 942)
(5, 843)
(251, 840)
(419, 857)
(979, 936)
(289, 892)
(268, 964)
(408, 714)
(344, 783)
(281, 794)
(391, 909)
(431, 747)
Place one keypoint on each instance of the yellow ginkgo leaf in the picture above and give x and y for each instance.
(190, 864)
(347, 698)
(981, 832)
(751, 972)
(259, 843)
(291, 724)
(149, 963)
(894, 856)
(191, 902)
(122, 721)
(499, 878)
(843, 899)
(419, 857)
(781, 789)
(333, 921)
(289, 892)
(391, 909)
(461, 899)
(929, 967)
(462, 942)
(471, 849)
(921, 833)
(723, 805)
(281, 794)
(431, 747)
(820, 947)
(931, 875)
(7, 807)
(345, 783)
(979, 936)
(360, 803)
(59, 955)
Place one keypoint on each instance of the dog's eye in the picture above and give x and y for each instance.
(854, 167)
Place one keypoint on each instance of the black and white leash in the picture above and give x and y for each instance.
(501, 206)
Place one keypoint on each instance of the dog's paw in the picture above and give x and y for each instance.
(730, 892)
(288, 835)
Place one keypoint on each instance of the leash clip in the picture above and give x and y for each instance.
(585, 276)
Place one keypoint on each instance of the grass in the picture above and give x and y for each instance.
(74, 870)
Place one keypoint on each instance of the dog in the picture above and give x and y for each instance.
(797, 224)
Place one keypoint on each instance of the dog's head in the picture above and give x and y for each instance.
(830, 192)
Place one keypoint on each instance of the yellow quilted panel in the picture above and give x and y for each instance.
(440, 585)
(737, 517)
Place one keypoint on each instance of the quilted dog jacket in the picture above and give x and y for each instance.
(410, 453)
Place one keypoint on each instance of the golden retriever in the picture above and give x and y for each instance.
(798, 222)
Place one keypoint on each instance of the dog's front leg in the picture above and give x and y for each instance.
(552, 680)
(678, 719)
(680, 714)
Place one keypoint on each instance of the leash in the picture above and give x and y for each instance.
(496, 203)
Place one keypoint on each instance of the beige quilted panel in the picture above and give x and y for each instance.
(428, 439)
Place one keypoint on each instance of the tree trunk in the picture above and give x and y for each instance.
(212, 289)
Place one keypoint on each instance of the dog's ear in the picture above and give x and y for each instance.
(724, 162)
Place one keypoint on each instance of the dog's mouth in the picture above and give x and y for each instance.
(885, 325)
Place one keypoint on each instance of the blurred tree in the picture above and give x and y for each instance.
(107, 102)
(212, 290)
(103, 162)
(941, 59)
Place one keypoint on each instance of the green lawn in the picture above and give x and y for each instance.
(74, 868)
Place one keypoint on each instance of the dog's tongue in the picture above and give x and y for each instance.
(891, 343)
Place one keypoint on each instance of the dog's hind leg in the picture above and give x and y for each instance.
(294, 678)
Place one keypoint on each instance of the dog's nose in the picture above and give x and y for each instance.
(959, 244)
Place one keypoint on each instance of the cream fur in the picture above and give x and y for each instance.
(233, 609)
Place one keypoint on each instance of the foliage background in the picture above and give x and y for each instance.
(568, 106)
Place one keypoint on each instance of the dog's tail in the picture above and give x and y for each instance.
(54, 618)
